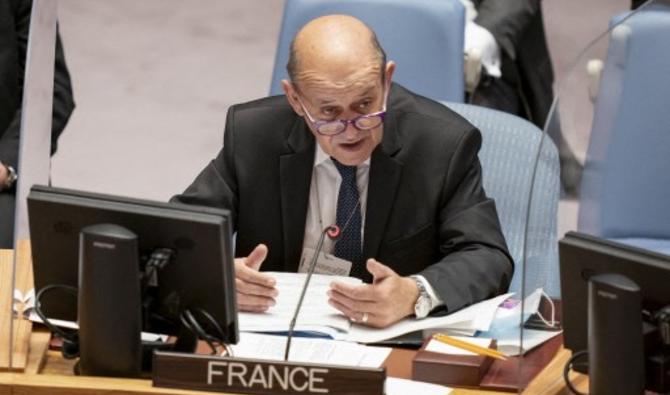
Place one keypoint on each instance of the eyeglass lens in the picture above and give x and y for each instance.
(365, 122)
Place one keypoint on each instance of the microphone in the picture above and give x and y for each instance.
(333, 232)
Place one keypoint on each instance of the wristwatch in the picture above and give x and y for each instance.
(424, 303)
(11, 177)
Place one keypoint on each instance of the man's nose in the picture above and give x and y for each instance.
(350, 132)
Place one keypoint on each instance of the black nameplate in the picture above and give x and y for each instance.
(257, 376)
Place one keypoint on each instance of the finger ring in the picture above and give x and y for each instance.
(364, 318)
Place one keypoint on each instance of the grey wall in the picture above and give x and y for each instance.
(152, 81)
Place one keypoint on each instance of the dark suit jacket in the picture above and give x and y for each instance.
(14, 27)
(518, 28)
(426, 213)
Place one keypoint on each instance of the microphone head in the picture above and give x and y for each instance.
(333, 232)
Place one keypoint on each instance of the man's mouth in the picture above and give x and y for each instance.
(352, 146)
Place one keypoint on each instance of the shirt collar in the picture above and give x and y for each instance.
(321, 156)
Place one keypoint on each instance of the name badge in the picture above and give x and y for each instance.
(325, 264)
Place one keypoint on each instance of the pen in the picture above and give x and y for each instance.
(469, 346)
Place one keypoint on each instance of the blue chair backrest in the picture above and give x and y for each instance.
(508, 154)
(626, 180)
(423, 37)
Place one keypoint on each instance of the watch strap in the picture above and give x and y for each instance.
(424, 295)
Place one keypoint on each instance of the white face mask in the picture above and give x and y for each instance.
(506, 324)
(509, 318)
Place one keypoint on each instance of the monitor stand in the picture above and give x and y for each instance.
(110, 306)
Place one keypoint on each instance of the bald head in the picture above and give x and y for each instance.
(336, 49)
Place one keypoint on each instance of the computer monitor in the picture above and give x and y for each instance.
(583, 256)
(200, 276)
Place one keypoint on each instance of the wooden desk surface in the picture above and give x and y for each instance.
(47, 373)
(52, 375)
(19, 329)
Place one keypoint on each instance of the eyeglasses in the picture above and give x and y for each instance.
(332, 128)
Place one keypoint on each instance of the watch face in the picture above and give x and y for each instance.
(422, 307)
(11, 177)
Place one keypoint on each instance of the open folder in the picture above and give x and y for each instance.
(318, 317)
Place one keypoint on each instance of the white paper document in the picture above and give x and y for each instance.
(315, 315)
(395, 386)
(318, 316)
(304, 349)
(145, 336)
(477, 317)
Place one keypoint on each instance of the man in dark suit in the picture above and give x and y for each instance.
(398, 173)
(14, 27)
(524, 86)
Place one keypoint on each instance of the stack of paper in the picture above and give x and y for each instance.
(145, 336)
(320, 351)
(395, 386)
(317, 315)
(330, 352)
(477, 317)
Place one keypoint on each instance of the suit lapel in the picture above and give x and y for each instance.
(385, 172)
(295, 176)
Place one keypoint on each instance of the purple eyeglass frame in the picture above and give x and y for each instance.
(318, 123)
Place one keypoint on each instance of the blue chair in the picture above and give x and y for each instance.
(626, 180)
(509, 150)
(424, 38)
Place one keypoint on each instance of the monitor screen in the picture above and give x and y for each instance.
(200, 276)
(582, 256)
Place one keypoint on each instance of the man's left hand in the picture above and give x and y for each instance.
(387, 300)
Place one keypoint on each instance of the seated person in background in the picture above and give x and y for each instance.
(517, 72)
(398, 173)
(518, 76)
(14, 29)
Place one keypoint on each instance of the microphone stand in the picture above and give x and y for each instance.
(333, 232)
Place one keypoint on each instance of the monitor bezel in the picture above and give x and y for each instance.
(596, 256)
(212, 219)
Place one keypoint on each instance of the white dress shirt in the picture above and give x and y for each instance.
(325, 187)
(479, 39)
(322, 208)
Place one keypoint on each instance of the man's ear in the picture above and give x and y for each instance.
(289, 91)
(388, 73)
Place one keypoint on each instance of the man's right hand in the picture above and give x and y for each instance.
(256, 291)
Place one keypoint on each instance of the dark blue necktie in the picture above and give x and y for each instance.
(348, 246)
